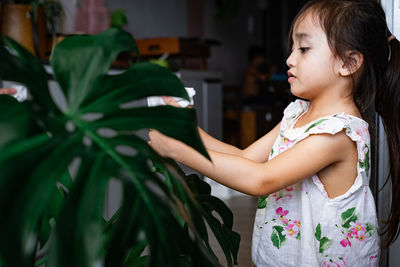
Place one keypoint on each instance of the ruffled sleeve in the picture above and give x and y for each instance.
(357, 130)
(294, 109)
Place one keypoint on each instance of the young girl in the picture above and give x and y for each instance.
(312, 170)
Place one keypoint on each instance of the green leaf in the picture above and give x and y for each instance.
(179, 123)
(84, 204)
(209, 206)
(315, 124)
(349, 216)
(26, 69)
(45, 229)
(23, 200)
(277, 237)
(324, 244)
(370, 229)
(46, 141)
(262, 202)
(22, 121)
(318, 232)
(77, 80)
(298, 236)
(365, 163)
(134, 258)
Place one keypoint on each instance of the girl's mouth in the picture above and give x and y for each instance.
(291, 77)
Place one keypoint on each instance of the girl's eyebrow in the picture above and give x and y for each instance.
(302, 36)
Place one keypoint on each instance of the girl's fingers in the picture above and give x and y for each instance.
(170, 101)
(8, 91)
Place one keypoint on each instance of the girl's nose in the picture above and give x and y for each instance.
(290, 61)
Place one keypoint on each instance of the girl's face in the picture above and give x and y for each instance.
(313, 69)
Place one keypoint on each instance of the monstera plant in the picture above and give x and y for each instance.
(52, 215)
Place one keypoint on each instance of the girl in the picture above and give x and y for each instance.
(312, 170)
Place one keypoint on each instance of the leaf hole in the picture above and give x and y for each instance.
(133, 104)
(73, 167)
(87, 141)
(217, 216)
(107, 132)
(126, 150)
(70, 126)
(92, 116)
(58, 96)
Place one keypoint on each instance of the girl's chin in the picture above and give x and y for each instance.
(297, 93)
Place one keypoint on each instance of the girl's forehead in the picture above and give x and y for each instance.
(307, 26)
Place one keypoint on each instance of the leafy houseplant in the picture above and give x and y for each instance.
(45, 210)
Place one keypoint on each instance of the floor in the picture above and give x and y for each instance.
(243, 208)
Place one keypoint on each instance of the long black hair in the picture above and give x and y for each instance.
(360, 25)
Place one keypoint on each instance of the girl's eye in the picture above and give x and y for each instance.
(304, 49)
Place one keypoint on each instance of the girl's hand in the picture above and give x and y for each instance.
(162, 144)
(8, 91)
(170, 101)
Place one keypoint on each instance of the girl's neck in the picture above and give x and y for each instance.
(328, 105)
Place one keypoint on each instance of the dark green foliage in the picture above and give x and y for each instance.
(162, 218)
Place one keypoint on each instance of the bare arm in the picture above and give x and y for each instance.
(214, 144)
(256, 178)
(258, 151)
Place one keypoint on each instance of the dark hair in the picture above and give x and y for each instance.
(360, 25)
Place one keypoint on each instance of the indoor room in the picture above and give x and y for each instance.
(199, 133)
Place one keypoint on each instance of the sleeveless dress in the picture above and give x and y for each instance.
(300, 225)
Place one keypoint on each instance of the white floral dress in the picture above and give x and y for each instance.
(300, 225)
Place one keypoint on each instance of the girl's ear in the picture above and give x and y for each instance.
(353, 63)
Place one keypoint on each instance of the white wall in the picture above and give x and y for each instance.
(147, 18)
(153, 18)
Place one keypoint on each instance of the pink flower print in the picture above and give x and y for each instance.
(297, 223)
(279, 211)
(281, 198)
(282, 213)
(356, 228)
(289, 189)
(290, 229)
(345, 243)
(361, 237)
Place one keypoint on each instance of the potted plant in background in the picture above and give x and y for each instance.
(29, 21)
(51, 215)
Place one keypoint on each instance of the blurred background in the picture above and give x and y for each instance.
(232, 52)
